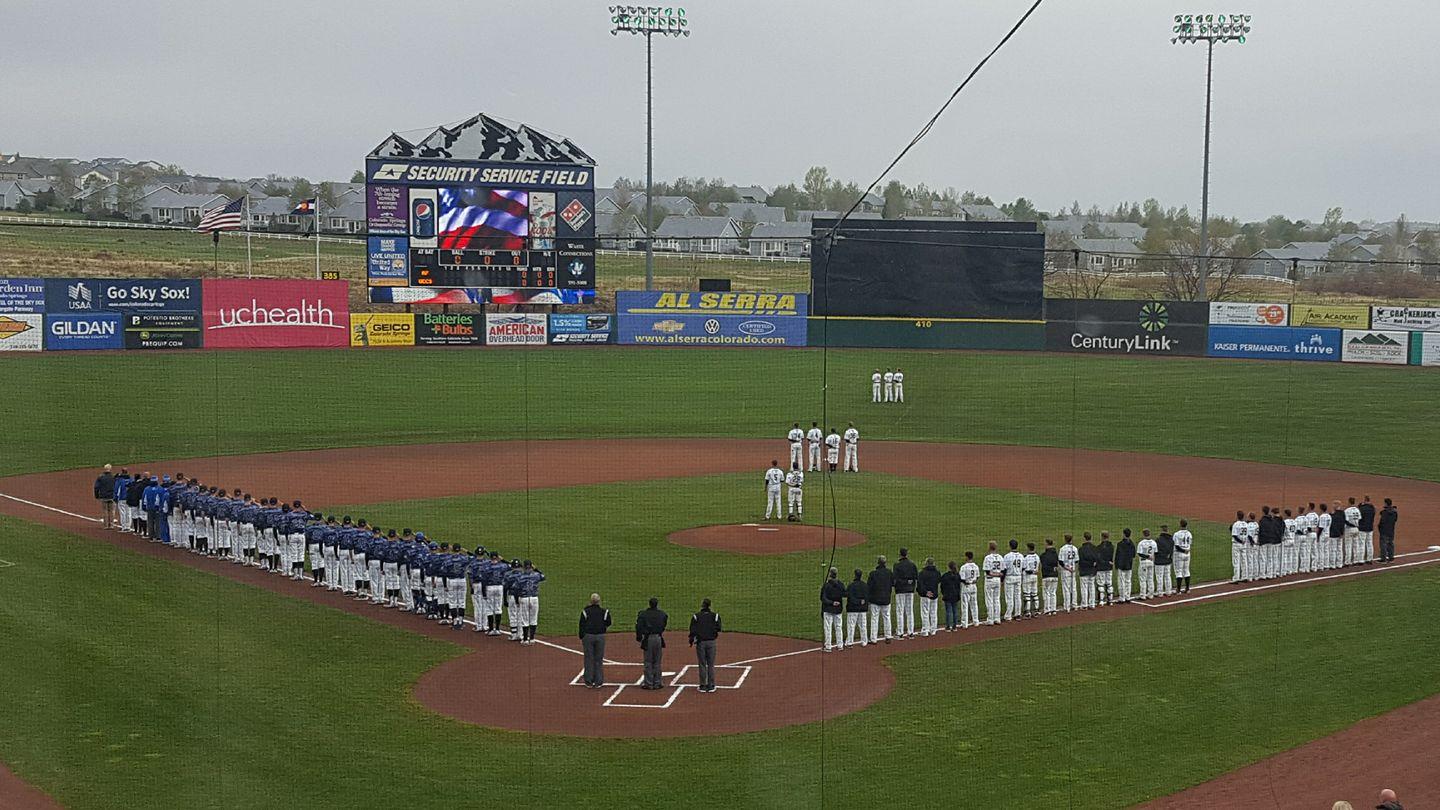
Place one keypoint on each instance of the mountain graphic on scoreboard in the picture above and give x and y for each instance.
(1373, 339)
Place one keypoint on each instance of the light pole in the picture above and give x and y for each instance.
(649, 20)
(1209, 29)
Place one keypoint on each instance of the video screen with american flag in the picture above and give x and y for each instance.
(483, 219)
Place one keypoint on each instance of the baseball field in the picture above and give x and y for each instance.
(142, 675)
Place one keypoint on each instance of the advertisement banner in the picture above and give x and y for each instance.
(1370, 346)
(162, 330)
(515, 329)
(436, 329)
(1427, 348)
(1126, 327)
(711, 330)
(1235, 313)
(21, 295)
(654, 302)
(275, 313)
(577, 328)
(71, 332)
(387, 209)
(389, 261)
(74, 295)
(151, 295)
(1341, 317)
(1275, 343)
(382, 329)
(477, 173)
(1415, 319)
(22, 332)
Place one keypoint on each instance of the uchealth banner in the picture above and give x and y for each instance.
(654, 302)
(1336, 315)
(22, 332)
(382, 329)
(515, 329)
(711, 330)
(275, 313)
(1236, 313)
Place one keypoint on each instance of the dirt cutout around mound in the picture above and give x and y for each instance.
(16, 794)
(761, 539)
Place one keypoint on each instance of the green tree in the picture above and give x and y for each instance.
(301, 190)
(327, 195)
(128, 188)
(790, 198)
(895, 199)
(817, 182)
(1022, 210)
(24, 205)
(358, 176)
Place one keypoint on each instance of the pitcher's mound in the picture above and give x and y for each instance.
(766, 538)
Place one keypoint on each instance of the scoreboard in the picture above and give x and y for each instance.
(448, 224)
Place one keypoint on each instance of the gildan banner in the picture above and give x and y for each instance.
(83, 331)
(1414, 319)
(22, 332)
(1235, 313)
(1373, 346)
(712, 330)
(275, 313)
(1340, 316)
(1126, 327)
(1275, 342)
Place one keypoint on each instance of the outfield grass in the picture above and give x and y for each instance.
(161, 686)
(79, 410)
(611, 538)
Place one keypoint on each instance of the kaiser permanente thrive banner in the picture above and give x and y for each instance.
(275, 313)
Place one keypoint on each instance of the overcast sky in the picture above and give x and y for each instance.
(1324, 105)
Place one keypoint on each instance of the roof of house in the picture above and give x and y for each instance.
(670, 203)
(1075, 226)
(483, 137)
(1308, 250)
(616, 225)
(1108, 246)
(815, 213)
(696, 227)
(167, 197)
(782, 230)
(751, 192)
(756, 212)
(347, 209)
(982, 211)
(271, 206)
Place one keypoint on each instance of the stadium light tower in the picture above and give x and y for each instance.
(649, 21)
(1209, 29)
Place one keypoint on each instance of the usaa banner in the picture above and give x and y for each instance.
(712, 303)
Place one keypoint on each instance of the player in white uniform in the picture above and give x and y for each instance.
(1014, 563)
(832, 449)
(1239, 530)
(1322, 540)
(795, 481)
(1184, 541)
(969, 592)
(852, 452)
(797, 445)
(899, 386)
(1252, 548)
(889, 385)
(774, 478)
(1354, 555)
(1145, 553)
(815, 437)
(994, 573)
(1030, 582)
(1288, 553)
(875, 386)
(1069, 566)
(1309, 520)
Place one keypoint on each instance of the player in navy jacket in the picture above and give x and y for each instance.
(494, 575)
(512, 599)
(122, 491)
(528, 585)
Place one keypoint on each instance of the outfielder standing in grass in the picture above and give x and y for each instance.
(875, 386)
(815, 436)
(832, 449)
(797, 446)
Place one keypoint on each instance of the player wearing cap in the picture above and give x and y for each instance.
(797, 446)
(1030, 583)
(899, 385)
(969, 592)
(1183, 542)
(512, 599)
(774, 479)
(795, 482)
(1050, 575)
(832, 611)
(857, 606)
(1014, 565)
(815, 437)
(1069, 569)
(1239, 530)
(994, 566)
(1145, 550)
(832, 449)
(852, 449)
(889, 385)
(1354, 555)
(875, 386)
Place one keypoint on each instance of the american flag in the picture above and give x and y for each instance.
(483, 218)
(225, 217)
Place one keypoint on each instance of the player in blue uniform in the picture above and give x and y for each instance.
(511, 582)
(528, 586)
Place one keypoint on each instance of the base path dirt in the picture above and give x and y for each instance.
(785, 681)
(781, 537)
(16, 794)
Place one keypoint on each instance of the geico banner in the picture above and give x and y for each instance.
(711, 330)
(94, 330)
(711, 303)
(275, 313)
(1415, 319)
(1126, 327)
(382, 329)
(515, 329)
(1372, 346)
(162, 330)
(1427, 348)
(443, 329)
(577, 328)
(22, 332)
(1339, 316)
(1274, 342)
(22, 295)
(1236, 313)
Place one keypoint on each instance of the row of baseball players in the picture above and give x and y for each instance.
(830, 442)
(891, 383)
(1310, 538)
(400, 569)
(1016, 585)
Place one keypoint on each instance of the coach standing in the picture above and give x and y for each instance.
(905, 576)
(704, 630)
(650, 632)
(594, 623)
(1388, 517)
(879, 584)
(105, 494)
(832, 609)
(1367, 531)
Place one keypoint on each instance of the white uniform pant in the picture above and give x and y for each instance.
(1050, 585)
(899, 392)
(969, 605)
(1067, 587)
(1012, 598)
(879, 614)
(852, 458)
(1147, 579)
(494, 597)
(1288, 559)
(1302, 554)
(1367, 546)
(797, 453)
(529, 610)
(832, 456)
(929, 615)
(855, 627)
(1237, 561)
(905, 614)
(772, 500)
(992, 600)
(1124, 582)
(1104, 588)
(814, 456)
(1182, 564)
(1030, 592)
(889, 392)
(797, 501)
(834, 630)
(1087, 591)
(1164, 586)
(1252, 561)
(874, 392)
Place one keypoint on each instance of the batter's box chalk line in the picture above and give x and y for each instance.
(675, 685)
(6, 564)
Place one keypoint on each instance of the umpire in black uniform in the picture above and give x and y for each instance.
(594, 621)
(704, 629)
(650, 632)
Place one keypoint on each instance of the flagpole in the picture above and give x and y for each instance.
(317, 235)
(249, 264)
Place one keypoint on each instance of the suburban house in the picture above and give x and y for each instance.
(619, 231)
(347, 217)
(13, 191)
(1345, 253)
(750, 194)
(1075, 227)
(697, 234)
(752, 212)
(265, 211)
(166, 206)
(1107, 255)
(780, 239)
